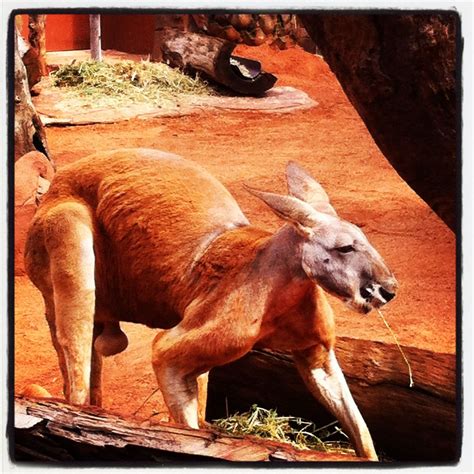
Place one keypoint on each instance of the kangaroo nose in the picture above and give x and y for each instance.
(366, 292)
(386, 295)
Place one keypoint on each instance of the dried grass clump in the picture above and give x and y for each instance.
(300, 433)
(100, 83)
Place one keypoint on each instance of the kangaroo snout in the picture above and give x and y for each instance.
(387, 295)
(378, 295)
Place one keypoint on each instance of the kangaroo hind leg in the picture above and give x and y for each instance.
(69, 243)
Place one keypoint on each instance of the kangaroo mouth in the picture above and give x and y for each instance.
(360, 305)
(370, 297)
(366, 299)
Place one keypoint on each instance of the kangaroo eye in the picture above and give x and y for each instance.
(346, 249)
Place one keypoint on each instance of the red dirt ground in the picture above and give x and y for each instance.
(332, 142)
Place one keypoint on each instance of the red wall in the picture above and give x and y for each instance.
(66, 32)
(63, 32)
(24, 25)
(129, 33)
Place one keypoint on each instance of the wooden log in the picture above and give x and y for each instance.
(399, 71)
(29, 131)
(213, 58)
(407, 424)
(49, 430)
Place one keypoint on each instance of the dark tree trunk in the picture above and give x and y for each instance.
(407, 424)
(29, 130)
(37, 40)
(399, 72)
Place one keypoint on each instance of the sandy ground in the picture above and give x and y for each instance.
(332, 142)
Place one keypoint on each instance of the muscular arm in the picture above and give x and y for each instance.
(321, 372)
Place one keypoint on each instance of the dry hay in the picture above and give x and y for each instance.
(296, 431)
(100, 83)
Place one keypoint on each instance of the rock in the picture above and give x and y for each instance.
(231, 34)
(242, 21)
(200, 21)
(222, 20)
(259, 37)
(267, 23)
(399, 72)
(33, 174)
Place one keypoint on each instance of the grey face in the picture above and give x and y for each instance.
(338, 256)
(334, 253)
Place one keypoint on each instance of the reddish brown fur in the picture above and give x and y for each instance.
(140, 235)
(171, 249)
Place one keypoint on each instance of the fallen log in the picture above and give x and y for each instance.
(213, 58)
(49, 430)
(407, 424)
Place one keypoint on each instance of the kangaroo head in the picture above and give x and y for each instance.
(334, 253)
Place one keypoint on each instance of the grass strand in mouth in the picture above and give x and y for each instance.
(399, 347)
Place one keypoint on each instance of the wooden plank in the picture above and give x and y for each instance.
(52, 430)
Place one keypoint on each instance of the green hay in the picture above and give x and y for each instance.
(298, 432)
(99, 83)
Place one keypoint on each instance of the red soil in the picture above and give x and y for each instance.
(332, 142)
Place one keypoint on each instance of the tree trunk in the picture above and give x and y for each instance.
(29, 130)
(211, 57)
(37, 40)
(399, 72)
(407, 424)
(51, 431)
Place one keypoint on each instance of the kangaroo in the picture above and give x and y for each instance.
(148, 237)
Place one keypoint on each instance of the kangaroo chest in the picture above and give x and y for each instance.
(303, 324)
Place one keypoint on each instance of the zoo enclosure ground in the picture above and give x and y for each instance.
(332, 142)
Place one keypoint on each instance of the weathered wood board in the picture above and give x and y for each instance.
(52, 431)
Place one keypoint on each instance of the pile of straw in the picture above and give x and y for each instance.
(99, 83)
(300, 433)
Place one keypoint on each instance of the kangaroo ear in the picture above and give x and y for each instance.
(291, 209)
(302, 186)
